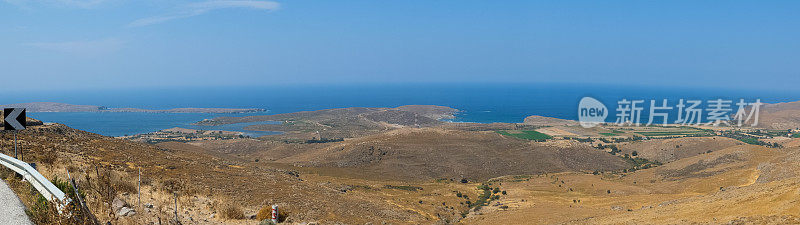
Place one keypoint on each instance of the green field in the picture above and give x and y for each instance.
(670, 133)
(527, 135)
(608, 134)
(796, 135)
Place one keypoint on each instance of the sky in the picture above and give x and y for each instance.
(90, 44)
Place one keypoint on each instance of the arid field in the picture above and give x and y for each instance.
(405, 166)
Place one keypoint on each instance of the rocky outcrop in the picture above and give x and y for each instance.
(121, 208)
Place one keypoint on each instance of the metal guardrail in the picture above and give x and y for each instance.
(47, 189)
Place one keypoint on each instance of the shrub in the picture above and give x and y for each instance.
(403, 187)
(232, 212)
(48, 157)
(171, 185)
(124, 186)
(264, 213)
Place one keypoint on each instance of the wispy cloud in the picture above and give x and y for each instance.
(69, 3)
(81, 47)
(200, 8)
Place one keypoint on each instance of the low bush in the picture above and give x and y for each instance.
(232, 212)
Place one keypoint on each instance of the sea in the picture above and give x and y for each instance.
(480, 103)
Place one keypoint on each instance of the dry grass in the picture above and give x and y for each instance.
(172, 185)
(264, 213)
(38, 209)
(48, 157)
(123, 186)
(232, 212)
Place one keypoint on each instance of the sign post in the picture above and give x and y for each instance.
(14, 119)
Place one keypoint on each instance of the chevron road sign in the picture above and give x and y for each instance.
(14, 119)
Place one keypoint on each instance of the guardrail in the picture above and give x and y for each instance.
(47, 189)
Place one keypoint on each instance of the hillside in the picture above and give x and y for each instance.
(431, 153)
(548, 121)
(434, 113)
(742, 184)
(668, 150)
(209, 182)
(401, 174)
(780, 116)
(343, 122)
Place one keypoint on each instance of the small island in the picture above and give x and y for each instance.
(63, 107)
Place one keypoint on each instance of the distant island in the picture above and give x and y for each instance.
(63, 107)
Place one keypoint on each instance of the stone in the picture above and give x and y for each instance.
(117, 204)
(121, 208)
(125, 211)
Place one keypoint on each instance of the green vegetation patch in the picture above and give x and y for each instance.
(608, 134)
(752, 141)
(484, 198)
(403, 187)
(527, 135)
(671, 133)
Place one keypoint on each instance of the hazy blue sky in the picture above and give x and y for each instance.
(73, 44)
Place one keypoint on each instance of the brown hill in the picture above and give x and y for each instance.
(668, 150)
(208, 182)
(393, 177)
(409, 113)
(431, 111)
(343, 122)
(780, 116)
(726, 186)
(548, 121)
(432, 153)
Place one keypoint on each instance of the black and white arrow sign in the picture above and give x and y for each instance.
(14, 119)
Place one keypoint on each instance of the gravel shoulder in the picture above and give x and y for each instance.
(12, 211)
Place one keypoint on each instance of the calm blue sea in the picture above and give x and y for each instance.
(483, 103)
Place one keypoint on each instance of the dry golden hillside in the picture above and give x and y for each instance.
(421, 154)
(434, 175)
(668, 150)
(780, 116)
(738, 184)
